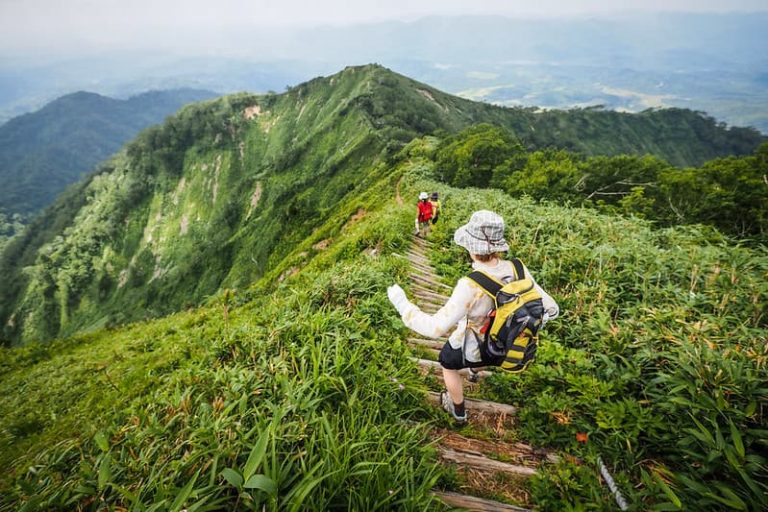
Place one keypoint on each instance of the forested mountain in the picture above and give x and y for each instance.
(219, 193)
(44, 151)
(271, 227)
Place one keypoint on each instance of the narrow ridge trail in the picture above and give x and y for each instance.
(487, 458)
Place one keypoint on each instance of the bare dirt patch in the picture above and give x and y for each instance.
(184, 225)
(357, 217)
(288, 273)
(251, 112)
(322, 245)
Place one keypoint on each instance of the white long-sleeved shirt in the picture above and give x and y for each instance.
(467, 309)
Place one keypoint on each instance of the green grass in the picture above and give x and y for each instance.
(290, 398)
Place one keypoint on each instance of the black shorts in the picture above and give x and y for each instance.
(452, 359)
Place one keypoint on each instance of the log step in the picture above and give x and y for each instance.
(427, 269)
(483, 463)
(432, 295)
(461, 501)
(437, 369)
(422, 342)
(474, 405)
(429, 282)
(422, 258)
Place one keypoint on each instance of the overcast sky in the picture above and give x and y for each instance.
(59, 24)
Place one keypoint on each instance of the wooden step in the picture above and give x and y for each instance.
(481, 462)
(426, 291)
(474, 405)
(437, 369)
(428, 281)
(427, 269)
(431, 295)
(426, 266)
(431, 352)
(429, 303)
(420, 257)
(428, 274)
(424, 342)
(461, 501)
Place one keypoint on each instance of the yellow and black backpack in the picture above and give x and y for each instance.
(512, 333)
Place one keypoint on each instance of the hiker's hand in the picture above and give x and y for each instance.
(397, 297)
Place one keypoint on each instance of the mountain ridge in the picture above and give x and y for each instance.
(216, 196)
(44, 151)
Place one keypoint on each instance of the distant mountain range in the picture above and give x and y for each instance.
(706, 62)
(218, 194)
(43, 152)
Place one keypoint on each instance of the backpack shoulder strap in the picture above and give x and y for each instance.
(486, 282)
(519, 269)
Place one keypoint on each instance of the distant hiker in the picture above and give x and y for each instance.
(435, 207)
(469, 306)
(423, 215)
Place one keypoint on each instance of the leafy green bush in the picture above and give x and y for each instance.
(658, 356)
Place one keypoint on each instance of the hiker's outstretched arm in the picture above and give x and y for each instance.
(437, 325)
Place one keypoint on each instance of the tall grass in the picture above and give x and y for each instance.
(660, 354)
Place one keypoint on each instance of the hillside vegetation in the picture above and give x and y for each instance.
(44, 151)
(296, 393)
(728, 193)
(219, 194)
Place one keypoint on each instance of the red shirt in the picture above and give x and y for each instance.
(425, 211)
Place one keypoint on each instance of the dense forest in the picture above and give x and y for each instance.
(266, 230)
(728, 193)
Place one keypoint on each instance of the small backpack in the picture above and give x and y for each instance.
(512, 333)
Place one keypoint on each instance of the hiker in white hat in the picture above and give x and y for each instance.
(468, 307)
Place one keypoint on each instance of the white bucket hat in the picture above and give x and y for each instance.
(423, 195)
(483, 234)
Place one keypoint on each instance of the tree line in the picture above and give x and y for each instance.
(729, 193)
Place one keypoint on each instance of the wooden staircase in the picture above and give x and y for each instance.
(481, 459)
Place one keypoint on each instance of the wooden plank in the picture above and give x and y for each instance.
(418, 287)
(431, 352)
(437, 369)
(424, 268)
(423, 342)
(483, 463)
(423, 274)
(473, 503)
(421, 257)
(479, 405)
(428, 281)
(427, 302)
(431, 295)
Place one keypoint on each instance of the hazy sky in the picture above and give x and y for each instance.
(60, 24)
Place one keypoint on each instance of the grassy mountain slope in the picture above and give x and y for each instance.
(657, 357)
(44, 151)
(217, 195)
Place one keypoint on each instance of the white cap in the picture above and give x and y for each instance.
(423, 195)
